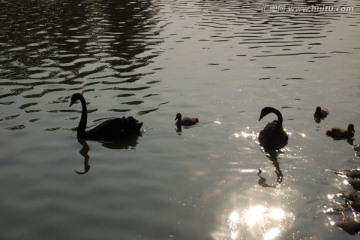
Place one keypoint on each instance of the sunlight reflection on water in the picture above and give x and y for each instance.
(246, 134)
(259, 222)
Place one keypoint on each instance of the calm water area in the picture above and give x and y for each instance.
(219, 60)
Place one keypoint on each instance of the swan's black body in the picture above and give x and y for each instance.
(273, 136)
(109, 130)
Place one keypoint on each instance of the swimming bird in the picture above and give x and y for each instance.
(340, 133)
(111, 129)
(351, 173)
(320, 113)
(185, 121)
(273, 136)
(354, 197)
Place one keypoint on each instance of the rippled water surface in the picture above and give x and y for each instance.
(222, 61)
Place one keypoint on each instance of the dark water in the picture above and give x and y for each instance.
(222, 61)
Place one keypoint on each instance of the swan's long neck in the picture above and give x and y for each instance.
(279, 116)
(83, 120)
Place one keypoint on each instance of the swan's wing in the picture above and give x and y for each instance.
(115, 128)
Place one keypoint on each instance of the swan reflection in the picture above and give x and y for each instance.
(84, 151)
(279, 176)
(127, 143)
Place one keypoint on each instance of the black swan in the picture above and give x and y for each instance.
(111, 129)
(273, 136)
(185, 121)
(320, 113)
(340, 133)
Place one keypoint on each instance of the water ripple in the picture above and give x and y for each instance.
(85, 46)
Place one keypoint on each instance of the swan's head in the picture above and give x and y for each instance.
(318, 109)
(351, 128)
(178, 116)
(75, 97)
(265, 111)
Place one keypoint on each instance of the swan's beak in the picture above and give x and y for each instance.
(71, 103)
(260, 117)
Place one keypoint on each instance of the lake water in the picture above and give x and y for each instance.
(222, 61)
